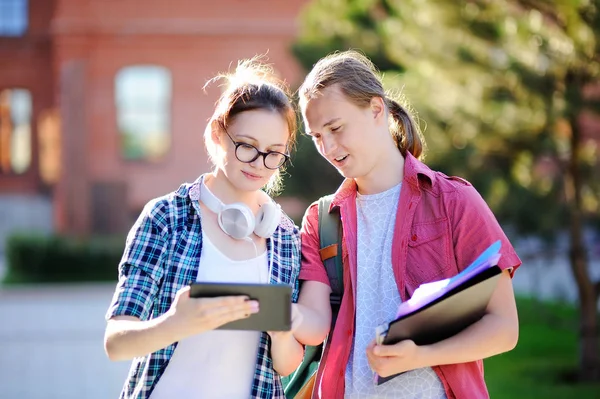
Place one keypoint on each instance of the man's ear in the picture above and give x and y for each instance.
(377, 107)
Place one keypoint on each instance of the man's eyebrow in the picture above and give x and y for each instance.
(331, 122)
(328, 123)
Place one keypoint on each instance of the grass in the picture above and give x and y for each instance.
(546, 353)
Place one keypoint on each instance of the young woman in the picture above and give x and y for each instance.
(221, 228)
(404, 224)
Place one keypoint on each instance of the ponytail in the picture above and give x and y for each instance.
(360, 82)
(405, 132)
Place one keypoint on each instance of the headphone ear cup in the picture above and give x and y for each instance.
(236, 220)
(267, 219)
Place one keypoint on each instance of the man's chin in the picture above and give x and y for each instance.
(346, 173)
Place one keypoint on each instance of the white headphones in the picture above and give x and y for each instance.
(237, 219)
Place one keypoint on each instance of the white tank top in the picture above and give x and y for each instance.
(216, 364)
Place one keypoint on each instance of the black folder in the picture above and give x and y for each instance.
(446, 314)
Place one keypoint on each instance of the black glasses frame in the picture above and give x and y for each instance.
(238, 144)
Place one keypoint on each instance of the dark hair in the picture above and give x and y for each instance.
(253, 86)
(358, 79)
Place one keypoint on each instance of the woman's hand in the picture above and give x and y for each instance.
(127, 337)
(195, 315)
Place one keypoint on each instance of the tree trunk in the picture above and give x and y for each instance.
(589, 357)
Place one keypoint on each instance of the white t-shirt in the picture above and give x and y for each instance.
(219, 363)
(378, 299)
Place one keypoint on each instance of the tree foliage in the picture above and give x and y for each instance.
(487, 80)
(507, 93)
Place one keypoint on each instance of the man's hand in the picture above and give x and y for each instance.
(388, 360)
(296, 321)
(286, 352)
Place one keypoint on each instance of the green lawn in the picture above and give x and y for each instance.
(547, 349)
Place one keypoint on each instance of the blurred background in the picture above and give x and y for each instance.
(102, 108)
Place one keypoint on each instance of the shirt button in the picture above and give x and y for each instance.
(349, 332)
(341, 373)
(414, 237)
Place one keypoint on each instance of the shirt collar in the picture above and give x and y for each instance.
(413, 168)
(190, 190)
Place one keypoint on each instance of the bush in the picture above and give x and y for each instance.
(35, 258)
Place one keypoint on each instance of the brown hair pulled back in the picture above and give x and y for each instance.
(252, 86)
(359, 80)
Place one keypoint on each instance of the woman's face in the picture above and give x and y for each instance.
(267, 131)
(342, 131)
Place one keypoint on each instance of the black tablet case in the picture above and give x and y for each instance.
(274, 302)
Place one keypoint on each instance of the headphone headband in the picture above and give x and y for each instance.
(237, 220)
(209, 199)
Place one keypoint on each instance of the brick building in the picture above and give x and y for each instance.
(102, 101)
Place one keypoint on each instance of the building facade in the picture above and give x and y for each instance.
(102, 104)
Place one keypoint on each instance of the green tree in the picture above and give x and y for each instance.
(501, 88)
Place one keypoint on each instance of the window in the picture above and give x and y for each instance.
(49, 134)
(143, 99)
(15, 131)
(13, 17)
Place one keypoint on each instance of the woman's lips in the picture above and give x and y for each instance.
(251, 176)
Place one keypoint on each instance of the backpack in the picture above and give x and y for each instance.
(300, 383)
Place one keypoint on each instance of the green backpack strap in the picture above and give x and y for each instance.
(330, 241)
(330, 237)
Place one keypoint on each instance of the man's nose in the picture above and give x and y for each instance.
(328, 145)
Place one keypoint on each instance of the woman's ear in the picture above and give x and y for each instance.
(215, 132)
(377, 107)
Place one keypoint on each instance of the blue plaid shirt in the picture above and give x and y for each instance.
(161, 256)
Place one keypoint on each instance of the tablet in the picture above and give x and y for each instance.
(275, 303)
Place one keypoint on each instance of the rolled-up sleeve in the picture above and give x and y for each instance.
(141, 268)
(475, 228)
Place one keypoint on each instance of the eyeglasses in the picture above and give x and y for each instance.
(248, 153)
